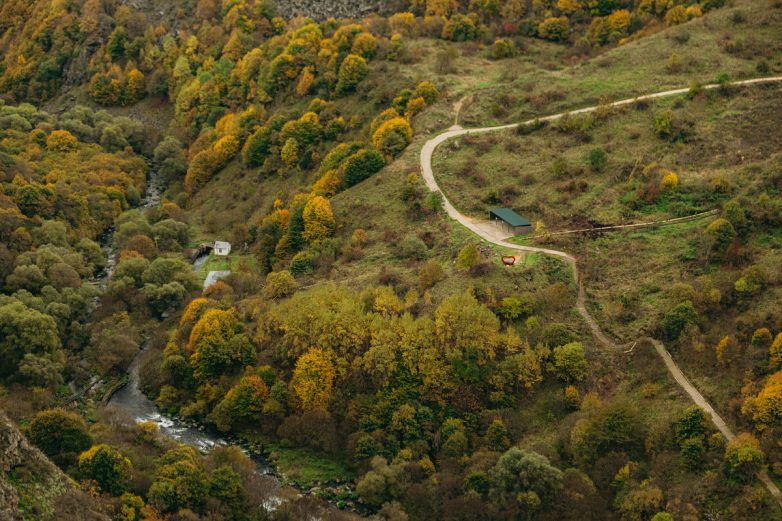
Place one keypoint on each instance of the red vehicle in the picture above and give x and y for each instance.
(508, 260)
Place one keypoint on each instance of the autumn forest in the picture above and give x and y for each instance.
(363, 351)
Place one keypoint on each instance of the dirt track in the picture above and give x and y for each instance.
(491, 233)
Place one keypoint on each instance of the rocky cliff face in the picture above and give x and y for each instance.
(316, 9)
(31, 486)
(321, 10)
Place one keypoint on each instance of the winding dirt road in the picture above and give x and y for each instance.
(494, 235)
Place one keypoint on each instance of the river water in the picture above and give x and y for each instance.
(131, 401)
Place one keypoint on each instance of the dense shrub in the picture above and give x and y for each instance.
(60, 434)
(503, 48)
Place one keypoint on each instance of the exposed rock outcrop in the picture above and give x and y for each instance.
(321, 10)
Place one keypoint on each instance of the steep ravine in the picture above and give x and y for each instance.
(29, 482)
(131, 401)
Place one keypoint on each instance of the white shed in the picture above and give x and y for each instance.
(222, 248)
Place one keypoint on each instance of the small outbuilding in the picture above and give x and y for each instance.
(222, 248)
(510, 220)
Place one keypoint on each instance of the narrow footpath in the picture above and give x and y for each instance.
(494, 235)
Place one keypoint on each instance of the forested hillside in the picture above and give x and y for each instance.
(365, 355)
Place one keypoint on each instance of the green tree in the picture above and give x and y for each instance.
(570, 362)
(377, 485)
(497, 435)
(258, 145)
(24, 331)
(459, 28)
(170, 158)
(556, 29)
(116, 44)
(721, 234)
(743, 458)
(642, 502)
(290, 153)
(351, 72)
(107, 466)
(465, 328)
(692, 451)
(216, 354)
(209, 343)
(180, 481)
(225, 484)
(62, 435)
(243, 403)
(737, 216)
(678, 317)
(279, 284)
(281, 72)
(516, 306)
(597, 159)
(306, 130)
(519, 472)
(359, 166)
(428, 91)
(503, 48)
(468, 257)
(521, 371)
(692, 424)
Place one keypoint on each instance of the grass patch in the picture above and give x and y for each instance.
(307, 469)
(233, 262)
(547, 175)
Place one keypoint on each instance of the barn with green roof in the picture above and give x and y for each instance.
(510, 221)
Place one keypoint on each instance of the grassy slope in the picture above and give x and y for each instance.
(729, 134)
(640, 67)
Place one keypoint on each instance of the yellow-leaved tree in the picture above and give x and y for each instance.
(765, 409)
(670, 181)
(290, 152)
(464, 326)
(61, 141)
(393, 136)
(313, 379)
(775, 351)
(569, 6)
(225, 148)
(318, 219)
(306, 79)
(193, 311)
(135, 86)
(215, 326)
(200, 170)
